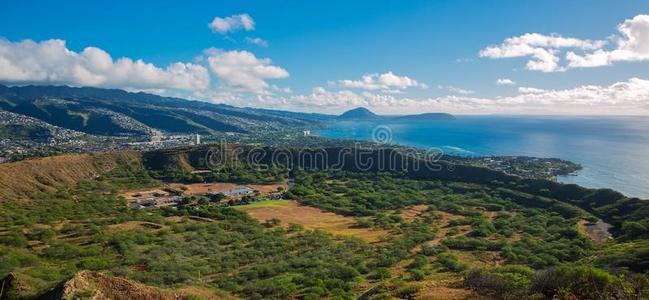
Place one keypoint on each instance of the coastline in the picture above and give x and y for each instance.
(607, 150)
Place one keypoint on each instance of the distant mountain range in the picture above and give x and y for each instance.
(113, 112)
(119, 113)
(362, 113)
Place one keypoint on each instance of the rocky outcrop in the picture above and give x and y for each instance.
(98, 286)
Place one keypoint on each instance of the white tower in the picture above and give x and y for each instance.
(156, 136)
(197, 139)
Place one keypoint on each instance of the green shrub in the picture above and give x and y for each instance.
(406, 291)
(417, 274)
(450, 262)
(509, 282)
(14, 238)
(581, 282)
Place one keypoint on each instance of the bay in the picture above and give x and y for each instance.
(614, 151)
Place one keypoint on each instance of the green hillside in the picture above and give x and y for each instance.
(462, 233)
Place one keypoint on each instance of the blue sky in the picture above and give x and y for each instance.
(313, 46)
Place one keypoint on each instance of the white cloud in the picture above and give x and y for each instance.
(624, 97)
(530, 90)
(542, 49)
(324, 100)
(630, 44)
(525, 45)
(455, 90)
(243, 70)
(629, 97)
(51, 62)
(385, 81)
(634, 91)
(257, 41)
(285, 90)
(505, 81)
(232, 23)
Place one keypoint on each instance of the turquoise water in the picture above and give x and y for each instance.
(614, 151)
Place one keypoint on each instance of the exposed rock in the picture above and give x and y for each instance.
(97, 286)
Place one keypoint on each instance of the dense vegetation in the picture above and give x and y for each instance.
(236, 174)
(538, 243)
(549, 236)
(78, 229)
(497, 238)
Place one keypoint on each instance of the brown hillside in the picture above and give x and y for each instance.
(25, 179)
(97, 286)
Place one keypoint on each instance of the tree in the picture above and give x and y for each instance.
(203, 201)
(272, 222)
(292, 227)
(381, 273)
(217, 197)
(634, 229)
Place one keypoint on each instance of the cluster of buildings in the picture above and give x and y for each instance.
(164, 201)
(155, 198)
(40, 138)
(529, 167)
(50, 139)
(242, 196)
(170, 198)
(235, 192)
(158, 140)
(497, 164)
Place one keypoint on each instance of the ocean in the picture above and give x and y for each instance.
(614, 151)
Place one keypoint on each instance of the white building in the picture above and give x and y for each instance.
(156, 137)
(197, 139)
(306, 132)
(238, 191)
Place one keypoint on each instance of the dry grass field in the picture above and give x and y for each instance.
(443, 286)
(413, 212)
(311, 218)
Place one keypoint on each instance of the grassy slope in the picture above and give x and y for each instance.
(29, 178)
